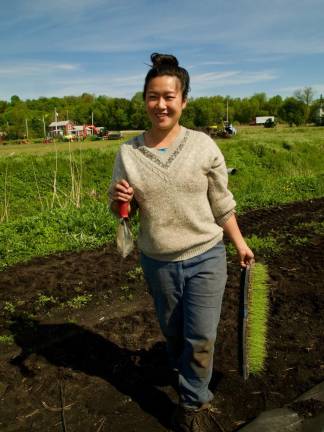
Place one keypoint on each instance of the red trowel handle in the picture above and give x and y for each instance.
(123, 209)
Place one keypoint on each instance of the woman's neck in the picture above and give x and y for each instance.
(161, 138)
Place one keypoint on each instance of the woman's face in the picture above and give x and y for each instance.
(164, 103)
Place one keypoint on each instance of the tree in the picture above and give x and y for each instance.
(14, 100)
(293, 111)
(305, 95)
(274, 104)
(188, 116)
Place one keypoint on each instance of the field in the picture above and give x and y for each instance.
(77, 326)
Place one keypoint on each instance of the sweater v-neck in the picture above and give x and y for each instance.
(164, 158)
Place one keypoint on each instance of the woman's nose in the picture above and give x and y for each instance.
(161, 103)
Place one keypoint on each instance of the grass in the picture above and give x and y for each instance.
(55, 230)
(266, 246)
(38, 148)
(275, 166)
(316, 227)
(257, 319)
(53, 198)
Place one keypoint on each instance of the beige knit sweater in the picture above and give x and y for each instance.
(181, 194)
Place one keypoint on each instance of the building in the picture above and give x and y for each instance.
(60, 128)
(319, 114)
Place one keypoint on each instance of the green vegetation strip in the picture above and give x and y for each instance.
(258, 319)
(57, 201)
(56, 231)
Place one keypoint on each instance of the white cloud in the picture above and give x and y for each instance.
(34, 69)
(232, 78)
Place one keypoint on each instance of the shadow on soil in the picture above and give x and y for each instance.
(70, 346)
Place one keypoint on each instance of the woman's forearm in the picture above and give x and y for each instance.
(232, 230)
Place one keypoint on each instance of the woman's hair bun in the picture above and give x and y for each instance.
(159, 60)
(167, 64)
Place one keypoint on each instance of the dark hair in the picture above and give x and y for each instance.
(166, 64)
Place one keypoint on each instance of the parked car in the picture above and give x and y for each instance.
(115, 135)
(112, 135)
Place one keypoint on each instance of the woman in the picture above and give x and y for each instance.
(177, 179)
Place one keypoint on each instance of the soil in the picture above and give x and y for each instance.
(105, 361)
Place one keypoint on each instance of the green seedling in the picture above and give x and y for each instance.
(258, 318)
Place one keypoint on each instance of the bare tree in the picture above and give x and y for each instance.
(305, 95)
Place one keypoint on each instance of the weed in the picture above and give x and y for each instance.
(7, 339)
(135, 275)
(298, 241)
(9, 308)
(316, 227)
(79, 301)
(126, 293)
(44, 300)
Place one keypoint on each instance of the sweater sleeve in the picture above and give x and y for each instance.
(221, 199)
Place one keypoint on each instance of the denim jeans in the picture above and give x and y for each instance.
(188, 297)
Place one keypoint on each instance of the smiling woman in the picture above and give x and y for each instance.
(184, 206)
(164, 105)
(165, 94)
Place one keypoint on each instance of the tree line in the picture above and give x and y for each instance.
(122, 114)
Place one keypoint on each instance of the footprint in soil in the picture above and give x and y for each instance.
(72, 346)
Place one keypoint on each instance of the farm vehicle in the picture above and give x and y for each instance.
(226, 130)
(269, 123)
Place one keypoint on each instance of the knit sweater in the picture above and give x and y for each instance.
(181, 194)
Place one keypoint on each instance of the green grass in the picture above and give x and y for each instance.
(36, 147)
(53, 199)
(275, 166)
(258, 319)
(315, 227)
(266, 246)
(56, 231)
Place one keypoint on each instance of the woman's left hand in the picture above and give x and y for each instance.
(245, 255)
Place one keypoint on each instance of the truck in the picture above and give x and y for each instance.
(261, 120)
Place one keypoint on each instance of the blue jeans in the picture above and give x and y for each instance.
(188, 297)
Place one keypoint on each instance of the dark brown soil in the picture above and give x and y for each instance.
(105, 362)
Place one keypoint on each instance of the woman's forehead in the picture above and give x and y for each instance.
(164, 83)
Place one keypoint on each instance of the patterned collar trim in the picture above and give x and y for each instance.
(154, 158)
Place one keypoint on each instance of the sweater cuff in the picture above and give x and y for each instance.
(222, 221)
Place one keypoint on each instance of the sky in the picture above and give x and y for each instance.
(229, 47)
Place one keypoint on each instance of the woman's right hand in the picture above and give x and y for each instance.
(123, 191)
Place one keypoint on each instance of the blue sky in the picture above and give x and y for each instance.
(230, 47)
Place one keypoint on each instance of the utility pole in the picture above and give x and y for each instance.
(55, 116)
(26, 129)
(92, 123)
(44, 127)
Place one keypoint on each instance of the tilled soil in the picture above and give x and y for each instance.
(105, 361)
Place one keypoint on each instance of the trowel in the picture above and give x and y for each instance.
(125, 243)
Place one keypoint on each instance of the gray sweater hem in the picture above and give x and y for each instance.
(191, 253)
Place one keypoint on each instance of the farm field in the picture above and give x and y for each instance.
(77, 326)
